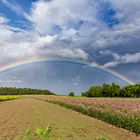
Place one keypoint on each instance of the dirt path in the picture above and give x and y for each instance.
(19, 119)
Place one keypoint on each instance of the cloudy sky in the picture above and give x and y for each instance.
(103, 32)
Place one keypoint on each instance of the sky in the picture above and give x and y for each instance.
(60, 77)
(99, 32)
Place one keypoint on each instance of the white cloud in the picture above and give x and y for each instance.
(17, 44)
(63, 53)
(45, 15)
(122, 59)
(127, 31)
(130, 58)
(121, 34)
(3, 19)
(68, 29)
(93, 32)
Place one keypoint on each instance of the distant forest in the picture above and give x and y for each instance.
(23, 91)
(113, 90)
(104, 90)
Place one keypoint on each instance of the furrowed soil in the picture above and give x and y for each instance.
(19, 118)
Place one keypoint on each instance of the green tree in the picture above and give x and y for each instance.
(71, 94)
(95, 92)
(115, 90)
(106, 90)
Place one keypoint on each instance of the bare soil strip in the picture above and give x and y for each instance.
(17, 117)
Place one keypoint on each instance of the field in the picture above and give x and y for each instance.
(33, 118)
(8, 97)
(121, 112)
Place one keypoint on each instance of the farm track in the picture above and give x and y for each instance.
(26, 114)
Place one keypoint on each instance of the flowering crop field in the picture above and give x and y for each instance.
(28, 118)
(8, 97)
(121, 112)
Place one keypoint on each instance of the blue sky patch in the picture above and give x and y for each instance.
(107, 14)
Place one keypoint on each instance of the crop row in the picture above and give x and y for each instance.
(121, 113)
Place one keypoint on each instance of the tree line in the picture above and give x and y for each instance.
(23, 91)
(113, 90)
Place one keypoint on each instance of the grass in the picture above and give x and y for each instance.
(102, 138)
(40, 132)
(45, 133)
(27, 135)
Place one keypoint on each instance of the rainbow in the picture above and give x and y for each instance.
(37, 60)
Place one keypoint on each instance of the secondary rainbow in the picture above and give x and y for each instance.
(36, 60)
